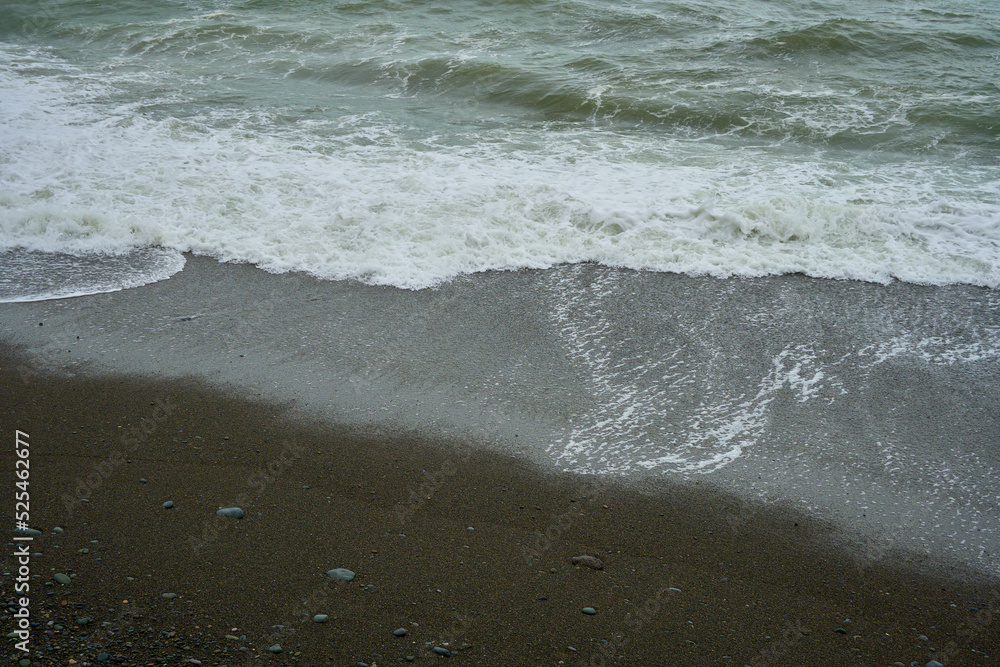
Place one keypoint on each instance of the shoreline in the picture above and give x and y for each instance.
(690, 575)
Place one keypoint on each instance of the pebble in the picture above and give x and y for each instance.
(922, 638)
(234, 512)
(841, 631)
(62, 578)
(83, 620)
(27, 531)
(275, 649)
(168, 504)
(340, 573)
(590, 611)
(588, 561)
(441, 651)
(934, 663)
(399, 632)
(675, 590)
(57, 529)
(142, 480)
(169, 596)
(320, 618)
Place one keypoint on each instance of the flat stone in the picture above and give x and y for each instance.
(441, 651)
(232, 512)
(169, 596)
(340, 573)
(276, 648)
(934, 663)
(27, 531)
(592, 562)
(399, 632)
(320, 618)
(62, 578)
(590, 611)
(168, 504)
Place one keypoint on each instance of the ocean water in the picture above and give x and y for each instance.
(406, 143)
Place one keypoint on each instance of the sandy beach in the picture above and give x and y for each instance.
(356, 437)
(466, 550)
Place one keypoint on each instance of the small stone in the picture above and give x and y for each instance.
(588, 561)
(841, 631)
(167, 505)
(62, 578)
(142, 480)
(27, 531)
(675, 590)
(232, 512)
(276, 648)
(399, 632)
(340, 573)
(410, 658)
(83, 551)
(934, 663)
(320, 618)
(57, 529)
(83, 620)
(24, 662)
(441, 651)
(193, 661)
(590, 611)
(922, 638)
(233, 637)
(169, 596)
(102, 657)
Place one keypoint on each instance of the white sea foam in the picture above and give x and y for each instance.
(360, 198)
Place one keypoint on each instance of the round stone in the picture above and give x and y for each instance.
(320, 618)
(399, 632)
(167, 505)
(590, 611)
(62, 578)
(275, 648)
(340, 573)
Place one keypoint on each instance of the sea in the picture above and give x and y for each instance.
(750, 243)
(405, 142)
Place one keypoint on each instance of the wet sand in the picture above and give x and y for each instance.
(469, 550)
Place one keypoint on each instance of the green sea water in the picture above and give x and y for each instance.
(407, 142)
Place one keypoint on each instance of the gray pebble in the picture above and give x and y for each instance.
(233, 512)
(590, 611)
(340, 573)
(169, 596)
(62, 578)
(320, 618)
(934, 663)
(441, 651)
(168, 504)
(399, 632)
(588, 561)
(57, 529)
(276, 648)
